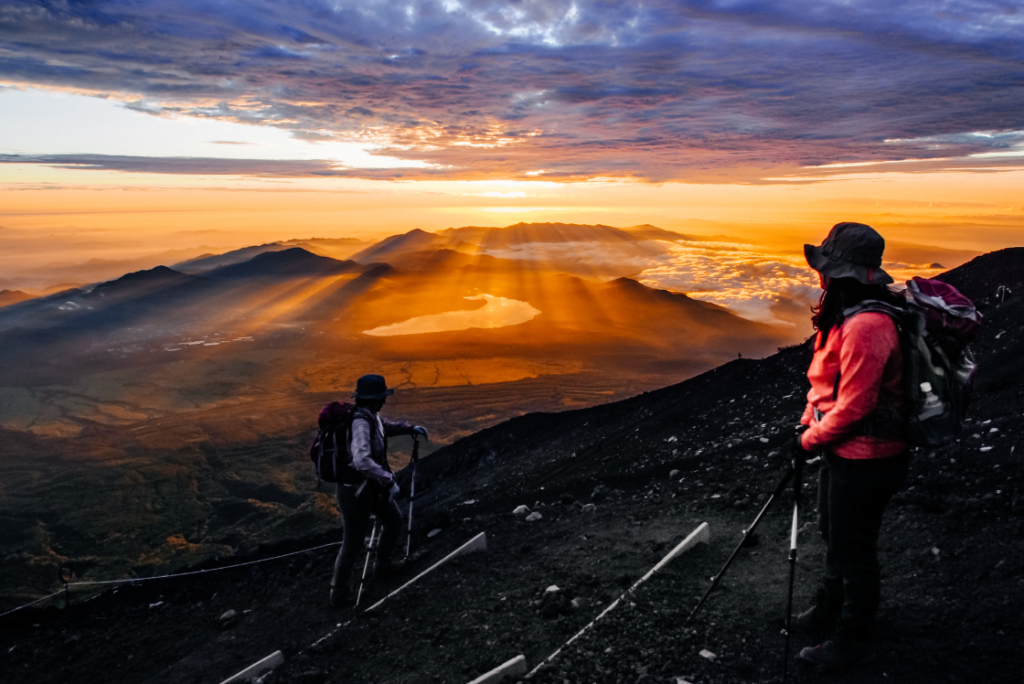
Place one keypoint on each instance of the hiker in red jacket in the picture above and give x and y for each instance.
(854, 421)
(374, 492)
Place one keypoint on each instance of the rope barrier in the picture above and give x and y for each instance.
(33, 603)
(133, 580)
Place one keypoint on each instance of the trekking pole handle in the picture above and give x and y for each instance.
(415, 447)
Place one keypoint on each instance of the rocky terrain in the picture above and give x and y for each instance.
(654, 467)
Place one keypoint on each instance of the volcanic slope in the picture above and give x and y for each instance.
(952, 551)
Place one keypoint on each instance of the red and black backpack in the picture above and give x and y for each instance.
(329, 451)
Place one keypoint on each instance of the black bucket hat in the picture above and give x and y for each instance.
(851, 250)
(372, 387)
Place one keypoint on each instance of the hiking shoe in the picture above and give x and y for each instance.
(814, 620)
(838, 654)
(342, 596)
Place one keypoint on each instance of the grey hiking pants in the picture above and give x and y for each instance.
(852, 496)
(355, 518)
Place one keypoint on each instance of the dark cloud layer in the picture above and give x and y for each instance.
(660, 90)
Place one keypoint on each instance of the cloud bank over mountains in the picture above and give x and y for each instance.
(660, 90)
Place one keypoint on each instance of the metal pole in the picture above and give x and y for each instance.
(746, 533)
(366, 565)
(797, 484)
(412, 491)
(789, 602)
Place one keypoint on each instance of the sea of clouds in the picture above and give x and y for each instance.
(751, 283)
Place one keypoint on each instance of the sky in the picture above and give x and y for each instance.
(130, 127)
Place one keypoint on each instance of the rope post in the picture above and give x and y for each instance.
(66, 573)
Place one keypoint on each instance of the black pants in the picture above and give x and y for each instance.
(852, 496)
(355, 516)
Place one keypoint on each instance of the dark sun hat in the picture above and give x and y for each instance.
(851, 250)
(372, 387)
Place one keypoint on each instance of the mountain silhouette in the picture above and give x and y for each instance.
(139, 282)
(208, 262)
(8, 297)
(471, 239)
(293, 262)
(413, 241)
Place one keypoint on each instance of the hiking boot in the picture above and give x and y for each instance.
(388, 569)
(342, 596)
(814, 620)
(838, 653)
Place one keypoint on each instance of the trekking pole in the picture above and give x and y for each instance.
(369, 552)
(412, 490)
(797, 470)
(746, 533)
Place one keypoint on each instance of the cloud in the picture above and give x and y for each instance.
(760, 286)
(755, 285)
(210, 166)
(656, 90)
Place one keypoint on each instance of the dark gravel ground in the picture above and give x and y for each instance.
(952, 551)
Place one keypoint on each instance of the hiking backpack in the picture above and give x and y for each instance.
(935, 326)
(329, 451)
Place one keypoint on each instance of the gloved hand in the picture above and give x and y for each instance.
(421, 431)
(798, 453)
(393, 492)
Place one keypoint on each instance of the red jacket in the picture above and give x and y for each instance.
(865, 351)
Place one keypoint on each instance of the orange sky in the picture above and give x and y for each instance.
(128, 214)
(123, 131)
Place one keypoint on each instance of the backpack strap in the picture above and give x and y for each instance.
(886, 421)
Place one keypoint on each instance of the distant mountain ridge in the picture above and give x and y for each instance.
(8, 297)
(208, 262)
(290, 262)
(477, 238)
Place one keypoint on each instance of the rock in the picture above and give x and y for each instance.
(600, 492)
(553, 589)
(674, 474)
(521, 511)
(589, 508)
(616, 494)
(434, 532)
(533, 517)
(567, 499)
(228, 618)
(705, 653)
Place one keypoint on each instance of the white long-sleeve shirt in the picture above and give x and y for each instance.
(368, 447)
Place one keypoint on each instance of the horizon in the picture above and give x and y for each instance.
(128, 130)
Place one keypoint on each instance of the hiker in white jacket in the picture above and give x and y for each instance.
(374, 492)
